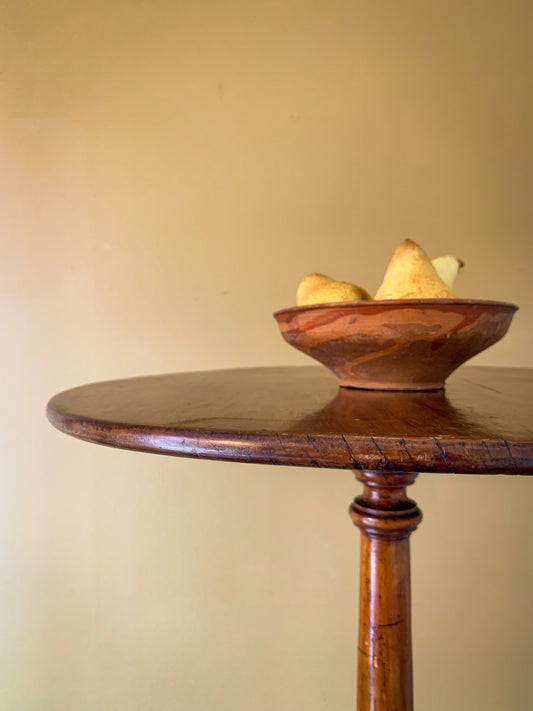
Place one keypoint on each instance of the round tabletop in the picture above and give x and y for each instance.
(480, 424)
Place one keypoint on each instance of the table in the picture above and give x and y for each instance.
(482, 423)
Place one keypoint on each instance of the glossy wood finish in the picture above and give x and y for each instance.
(398, 344)
(386, 518)
(480, 424)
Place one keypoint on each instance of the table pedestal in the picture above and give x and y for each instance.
(386, 518)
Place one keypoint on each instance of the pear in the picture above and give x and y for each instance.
(447, 267)
(411, 275)
(321, 289)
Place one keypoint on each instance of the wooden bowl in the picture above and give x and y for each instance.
(403, 344)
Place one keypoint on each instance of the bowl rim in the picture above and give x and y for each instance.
(402, 303)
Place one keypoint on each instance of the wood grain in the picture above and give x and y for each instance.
(482, 423)
(386, 518)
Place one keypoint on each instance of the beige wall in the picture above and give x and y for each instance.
(168, 173)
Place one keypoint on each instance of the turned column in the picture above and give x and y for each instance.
(386, 518)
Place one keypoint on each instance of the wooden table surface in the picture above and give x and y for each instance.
(481, 423)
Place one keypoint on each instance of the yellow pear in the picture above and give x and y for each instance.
(447, 267)
(321, 289)
(411, 275)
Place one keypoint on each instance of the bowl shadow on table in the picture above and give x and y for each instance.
(405, 431)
